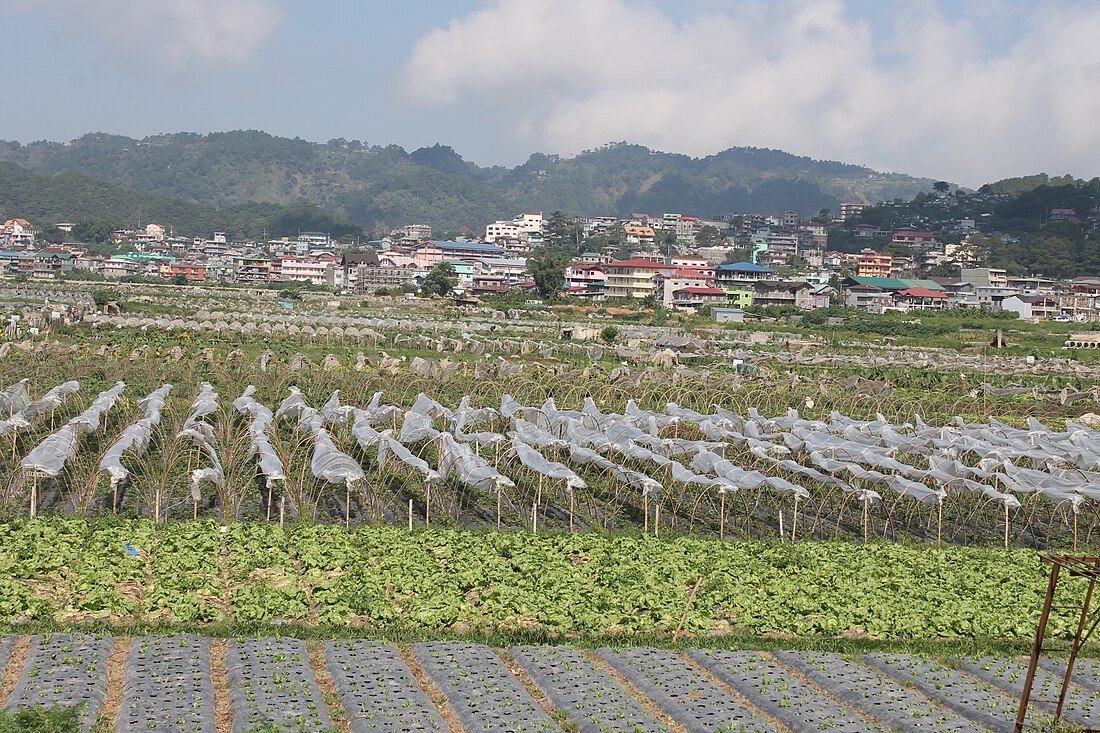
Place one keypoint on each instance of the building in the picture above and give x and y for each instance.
(870, 263)
(585, 279)
(634, 278)
(989, 277)
(696, 298)
(418, 232)
(257, 270)
(914, 299)
(1032, 307)
(851, 210)
(781, 293)
(669, 282)
(738, 275)
(313, 270)
(501, 229)
(637, 234)
(728, 315)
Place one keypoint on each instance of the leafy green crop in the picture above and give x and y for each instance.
(65, 570)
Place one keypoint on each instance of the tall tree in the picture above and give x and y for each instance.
(440, 281)
(547, 269)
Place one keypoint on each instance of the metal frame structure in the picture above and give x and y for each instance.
(1084, 566)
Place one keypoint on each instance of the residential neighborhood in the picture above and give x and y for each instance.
(676, 261)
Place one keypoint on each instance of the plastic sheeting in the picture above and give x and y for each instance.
(49, 457)
(135, 437)
(261, 419)
(538, 463)
(459, 461)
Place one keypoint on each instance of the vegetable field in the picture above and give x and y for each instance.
(248, 685)
(65, 571)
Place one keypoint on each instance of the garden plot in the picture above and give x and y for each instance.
(378, 690)
(1082, 705)
(1086, 672)
(882, 699)
(483, 693)
(973, 699)
(780, 694)
(682, 692)
(270, 681)
(65, 669)
(167, 686)
(588, 695)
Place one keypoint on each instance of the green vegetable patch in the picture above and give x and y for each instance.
(72, 571)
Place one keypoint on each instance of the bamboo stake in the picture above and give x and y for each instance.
(195, 512)
(782, 534)
(794, 520)
(156, 507)
(498, 507)
(410, 515)
(427, 504)
(571, 500)
(1075, 530)
(657, 521)
(34, 496)
(645, 508)
(269, 502)
(939, 522)
(282, 510)
(722, 518)
(535, 518)
(687, 608)
(866, 512)
(1006, 526)
(347, 506)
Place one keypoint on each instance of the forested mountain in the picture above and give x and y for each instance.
(77, 197)
(379, 187)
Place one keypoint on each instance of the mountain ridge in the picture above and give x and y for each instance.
(378, 186)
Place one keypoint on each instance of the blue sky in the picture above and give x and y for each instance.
(968, 90)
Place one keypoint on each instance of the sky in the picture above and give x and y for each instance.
(968, 91)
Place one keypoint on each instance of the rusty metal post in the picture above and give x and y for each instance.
(1036, 648)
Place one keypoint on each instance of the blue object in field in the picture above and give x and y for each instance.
(287, 306)
(132, 551)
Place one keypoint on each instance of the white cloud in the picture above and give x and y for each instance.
(178, 36)
(802, 75)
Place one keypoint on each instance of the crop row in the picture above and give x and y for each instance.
(380, 577)
(194, 685)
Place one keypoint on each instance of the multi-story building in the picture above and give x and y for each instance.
(637, 234)
(257, 270)
(851, 210)
(870, 263)
(633, 278)
(669, 282)
(501, 229)
(418, 232)
(316, 271)
(738, 275)
(585, 279)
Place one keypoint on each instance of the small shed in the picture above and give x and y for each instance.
(728, 315)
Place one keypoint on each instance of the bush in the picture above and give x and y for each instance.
(609, 334)
(40, 720)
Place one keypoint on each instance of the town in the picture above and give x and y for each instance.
(721, 267)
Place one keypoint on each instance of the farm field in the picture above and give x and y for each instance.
(190, 683)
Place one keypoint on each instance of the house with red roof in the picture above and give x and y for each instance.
(919, 299)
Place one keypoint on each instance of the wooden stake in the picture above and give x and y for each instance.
(347, 506)
(939, 522)
(657, 521)
(1006, 526)
(722, 518)
(156, 507)
(282, 510)
(571, 500)
(535, 518)
(645, 508)
(782, 534)
(410, 515)
(195, 513)
(269, 502)
(34, 496)
(1075, 530)
(427, 504)
(687, 608)
(794, 520)
(866, 517)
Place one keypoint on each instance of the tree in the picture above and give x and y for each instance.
(941, 186)
(94, 231)
(440, 281)
(561, 232)
(179, 279)
(102, 297)
(944, 269)
(709, 236)
(548, 271)
(50, 235)
(1054, 257)
(609, 334)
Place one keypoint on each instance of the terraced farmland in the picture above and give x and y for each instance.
(181, 683)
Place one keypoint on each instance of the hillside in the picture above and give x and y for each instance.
(386, 186)
(78, 197)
